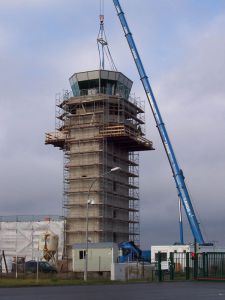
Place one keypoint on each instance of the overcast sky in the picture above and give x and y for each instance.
(182, 44)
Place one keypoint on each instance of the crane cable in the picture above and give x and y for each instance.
(103, 46)
(102, 7)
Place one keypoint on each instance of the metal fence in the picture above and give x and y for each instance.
(211, 265)
(190, 265)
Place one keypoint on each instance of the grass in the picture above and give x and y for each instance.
(12, 282)
(31, 282)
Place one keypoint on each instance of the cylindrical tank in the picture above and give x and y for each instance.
(48, 243)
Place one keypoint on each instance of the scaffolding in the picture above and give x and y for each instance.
(98, 131)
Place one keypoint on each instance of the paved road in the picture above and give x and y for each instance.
(151, 291)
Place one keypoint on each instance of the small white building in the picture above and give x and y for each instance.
(100, 256)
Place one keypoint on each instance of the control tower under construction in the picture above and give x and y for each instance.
(99, 126)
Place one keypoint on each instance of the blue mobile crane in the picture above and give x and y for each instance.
(130, 252)
(176, 170)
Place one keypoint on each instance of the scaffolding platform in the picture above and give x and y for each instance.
(127, 137)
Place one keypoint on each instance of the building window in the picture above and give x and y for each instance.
(82, 254)
(114, 186)
(114, 237)
(163, 256)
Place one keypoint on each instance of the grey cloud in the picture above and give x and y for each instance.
(191, 97)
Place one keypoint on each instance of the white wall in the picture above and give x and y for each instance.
(99, 260)
(21, 238)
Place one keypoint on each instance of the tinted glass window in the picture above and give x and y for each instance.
(163, 256)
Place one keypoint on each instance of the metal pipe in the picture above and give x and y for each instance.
(181, 223)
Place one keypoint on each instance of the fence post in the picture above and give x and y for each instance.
(196, 266)
(204, 264)
(171, 266)
(207, 265)
(159, 267)
(187, 265)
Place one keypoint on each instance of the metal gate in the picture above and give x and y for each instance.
(211, 266)
(190, 265)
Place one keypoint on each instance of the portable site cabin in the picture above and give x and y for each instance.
(100, 256)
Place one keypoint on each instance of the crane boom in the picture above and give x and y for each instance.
(177, 172)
